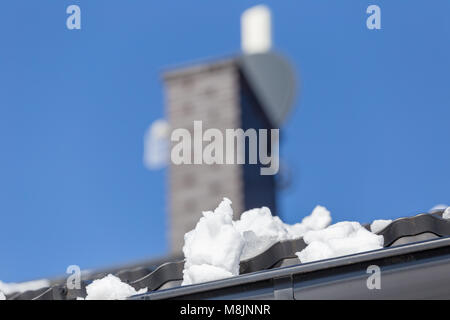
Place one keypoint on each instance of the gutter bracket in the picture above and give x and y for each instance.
(283, 288)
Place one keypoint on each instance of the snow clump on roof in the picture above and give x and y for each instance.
(446, 214)
(261, 230)
(378, 225)
(203, 273)
(110, 288)
(213, 249)
(339, 239)
(8, 288)
(319, 219)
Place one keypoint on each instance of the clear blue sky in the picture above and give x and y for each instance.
(369, 137)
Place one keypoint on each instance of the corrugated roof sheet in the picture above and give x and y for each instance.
(416, 256)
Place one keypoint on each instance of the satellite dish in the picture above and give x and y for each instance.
(273, 81)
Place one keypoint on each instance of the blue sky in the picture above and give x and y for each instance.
(368, 138)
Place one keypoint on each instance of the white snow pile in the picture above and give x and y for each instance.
(8, 288)
(110, 288)
(261, 230)
(2, 296)
(339, 239)
(446, 214)
(378, 225)
(212, 250)
(438, 207)
(319, 219)
(215, 247)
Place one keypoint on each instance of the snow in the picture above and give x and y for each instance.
(214, 244)
(110, 288)
(215, 247)
(8, 288)
(319, 219)
(446, 214)
(438, 207)
(261, 222)
(261, 230)
(2, 296)
(340, 239)
(203, 273)
(378, 225)
(255, 245)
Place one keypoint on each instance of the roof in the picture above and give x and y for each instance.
(414, 265)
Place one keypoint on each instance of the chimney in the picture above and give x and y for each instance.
(217, 94)
(254, 90)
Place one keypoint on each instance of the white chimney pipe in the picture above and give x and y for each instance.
(256, 30)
